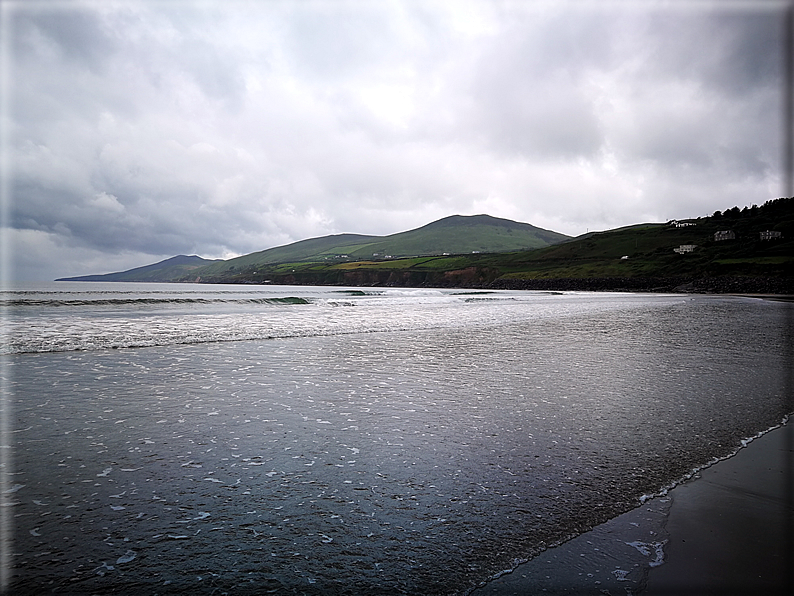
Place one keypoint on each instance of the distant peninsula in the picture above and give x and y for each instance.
(168, 270)
(748, 250)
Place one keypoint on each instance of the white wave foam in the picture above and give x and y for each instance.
(692, 473)
(126, 557)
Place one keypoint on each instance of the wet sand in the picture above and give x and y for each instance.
(727, 531)
(732, 531)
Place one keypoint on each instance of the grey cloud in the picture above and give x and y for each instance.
(162, 128)
(735, 52)
(705, 92)
(333, 42)
(78, 35)
(550, 118)
(214, 73)
(530, 86)
(89, 221)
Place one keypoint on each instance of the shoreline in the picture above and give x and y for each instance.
(781, 288)
(732, 529)
(742, 285)
(727, 530)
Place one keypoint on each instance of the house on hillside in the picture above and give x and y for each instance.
(685, 248)
(771, 235)
(682, 224)
(724, 235)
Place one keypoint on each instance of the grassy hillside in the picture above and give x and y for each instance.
(489, 252)
(462, 234)
(314, 249)
(649, 249)
(453, 235)
(639, 257)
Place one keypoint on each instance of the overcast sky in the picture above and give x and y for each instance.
(136, 131)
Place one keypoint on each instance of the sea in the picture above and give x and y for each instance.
(217, 439)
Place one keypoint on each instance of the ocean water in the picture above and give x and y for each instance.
(194, 439)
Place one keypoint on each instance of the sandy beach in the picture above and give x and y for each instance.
(727, 531)
(731, 530)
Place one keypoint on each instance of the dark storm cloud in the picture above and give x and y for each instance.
(140, 130)
(734, 52)
(77, 35)
(706, 93)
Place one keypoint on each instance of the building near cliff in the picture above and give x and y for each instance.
(685, 248)
(771, 235)
(724, 235)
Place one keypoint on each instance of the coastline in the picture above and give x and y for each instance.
(732, 530)
(753, 285)
(729, 530)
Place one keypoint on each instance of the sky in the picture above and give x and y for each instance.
(133, 131)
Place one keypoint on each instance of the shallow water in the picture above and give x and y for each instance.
(414, 443)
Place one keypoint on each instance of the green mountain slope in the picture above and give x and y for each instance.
(460, 234)
(457, 234)
(641, 256)
(164, 271)
(487, 252)
(313, 249)
(649, 249)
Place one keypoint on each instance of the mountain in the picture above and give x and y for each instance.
(452, 235)
(164, 271)
(460, 234)
(457, 234)
(637, 257)
(313, 249)
(487, 252)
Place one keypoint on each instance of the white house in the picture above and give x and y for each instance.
(685, 248)
(771, 235)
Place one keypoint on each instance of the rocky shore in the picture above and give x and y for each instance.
(704, 285)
